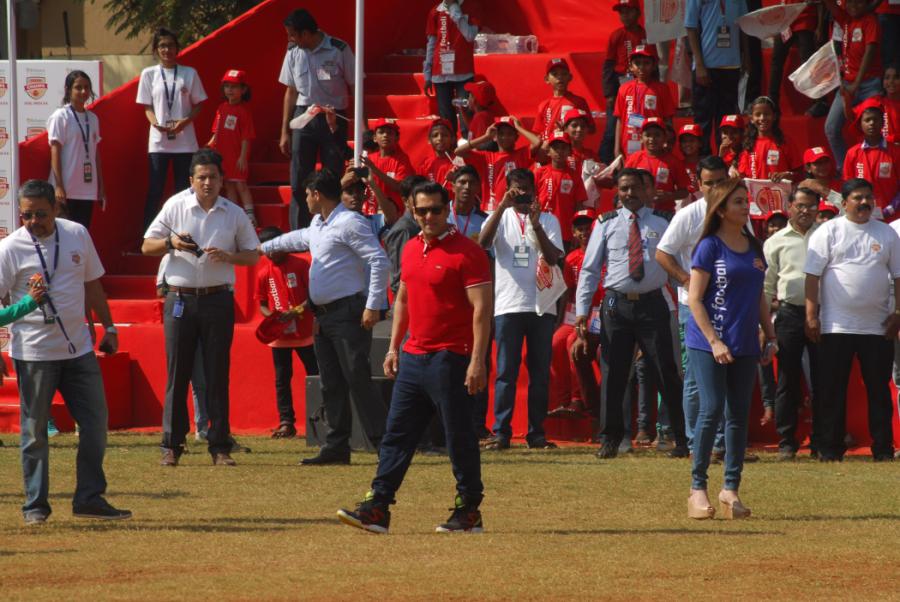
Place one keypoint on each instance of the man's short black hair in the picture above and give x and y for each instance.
(206, 156)
(159, 34)
(646, 177)
(807, 191)
(301, 20)
(431, 188)
(269, 232)
(409, 183)
(465, 170)
(854, 184)
(711, 163)
(520, 175)
(631, 171)
(38, 189)
(326, 183)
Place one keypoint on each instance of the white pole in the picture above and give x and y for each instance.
(358, 125)
(13, 110)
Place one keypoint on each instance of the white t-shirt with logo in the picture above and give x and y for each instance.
(856, 264)
(32, 339)
(188, 93)
(681, 237)
(63, 128)
(515, 288)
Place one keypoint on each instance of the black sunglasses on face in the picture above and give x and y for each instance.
(27, 215)
(423, 211)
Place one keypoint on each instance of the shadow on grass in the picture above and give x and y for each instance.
(5, 553)
(154, 495)
(215, 525)
(824, 517)
(672, 531)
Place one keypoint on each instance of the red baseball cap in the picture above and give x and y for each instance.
(814, 154)
(642, 50)
(385, 122)
(440, 121)
(620, 4)
(775, 213)
(691, 129)
(234, 76)
(732, 121)
(558, 62)
(574, 114)
(653, 121)
(583, 214)
(559, 136)
(506, 120)
(869, 103)
(272, 327)
(483, 91)
(823, 206)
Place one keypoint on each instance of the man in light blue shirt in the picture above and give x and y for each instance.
(348, 280)
(720, 53)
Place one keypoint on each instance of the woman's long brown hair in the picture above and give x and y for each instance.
(715, 200)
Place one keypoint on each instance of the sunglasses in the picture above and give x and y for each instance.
(423, 211)
(27, 215)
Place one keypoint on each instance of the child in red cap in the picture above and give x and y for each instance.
(616, 67)
(731, 139)
(481, 100)
(437, 168)
(820, 174)
(550, 112)
(390, 164)
(494, 165)
(690, 141)
(558, 187)
(232, 132)
(667, 170)
(639, 99)
(874, 159)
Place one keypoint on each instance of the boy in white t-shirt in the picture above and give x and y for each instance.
(520, 235)
(850, 265)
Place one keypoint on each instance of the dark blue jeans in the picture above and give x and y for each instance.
(158, 165)
(427, 383)
(724, 388)
(511, 331)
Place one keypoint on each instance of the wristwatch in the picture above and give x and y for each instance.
(111, 330)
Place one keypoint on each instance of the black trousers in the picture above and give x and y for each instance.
(644, 322)
(876, 356)
(805, 41)
(156, 180)
(712, 102)
(342, 350)
(208, 322)
(283, 359)
(312, 143)
(80, 211)
(792, 342)
(445, 93)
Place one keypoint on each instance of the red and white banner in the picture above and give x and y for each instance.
(766, 195)
(664, 20)
(769, 22)
(820, 74)
(681, 65)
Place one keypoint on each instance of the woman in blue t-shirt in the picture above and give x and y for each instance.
(728, 306)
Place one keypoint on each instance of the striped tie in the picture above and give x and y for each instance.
(635, 251)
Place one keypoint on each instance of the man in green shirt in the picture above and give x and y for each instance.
(784, 285)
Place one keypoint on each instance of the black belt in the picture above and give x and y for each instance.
(199, 292)
(334, 305)
(635, 296)
(787, 305)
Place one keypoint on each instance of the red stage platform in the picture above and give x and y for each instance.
(394, 88)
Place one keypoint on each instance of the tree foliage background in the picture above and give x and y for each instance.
(190, 19)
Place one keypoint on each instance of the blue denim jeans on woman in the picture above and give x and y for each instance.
(690, 394)
(81, 385)
(834, 123)
(724, 388)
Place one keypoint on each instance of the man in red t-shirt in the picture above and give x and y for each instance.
(389, 165)
(874, 159)
(445, 303)
(549, 113)
(667, 170)
(559, 189)
(282, 284)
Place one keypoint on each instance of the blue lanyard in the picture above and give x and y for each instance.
(85, 132)
(37, 248)
(170, 98)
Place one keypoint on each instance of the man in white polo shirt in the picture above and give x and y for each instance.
(205, 236)
(53, 351)
(850, 265)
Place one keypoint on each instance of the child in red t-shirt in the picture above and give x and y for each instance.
(769, 155)
(232, 132)
(731, 139)
(821, 174)
(860, 67)
(282, 285)
(437, 168)
(494, 165)
(874, 159)
(616, 67)
(549, 113)
(667, 170)
(389, 165)
(891, 101)
(575, 124)
(558, 188)
(640, 99)
(481, 101)
(690, 140)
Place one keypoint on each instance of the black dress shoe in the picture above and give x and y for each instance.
(679, 451)
(325, 458)
(609, 450)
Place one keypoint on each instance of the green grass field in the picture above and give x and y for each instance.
(559, 525)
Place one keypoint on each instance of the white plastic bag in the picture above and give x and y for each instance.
(820, 74)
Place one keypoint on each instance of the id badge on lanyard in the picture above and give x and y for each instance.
(170, 98)
(723, 33)
(520, 252)
(88, 168)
